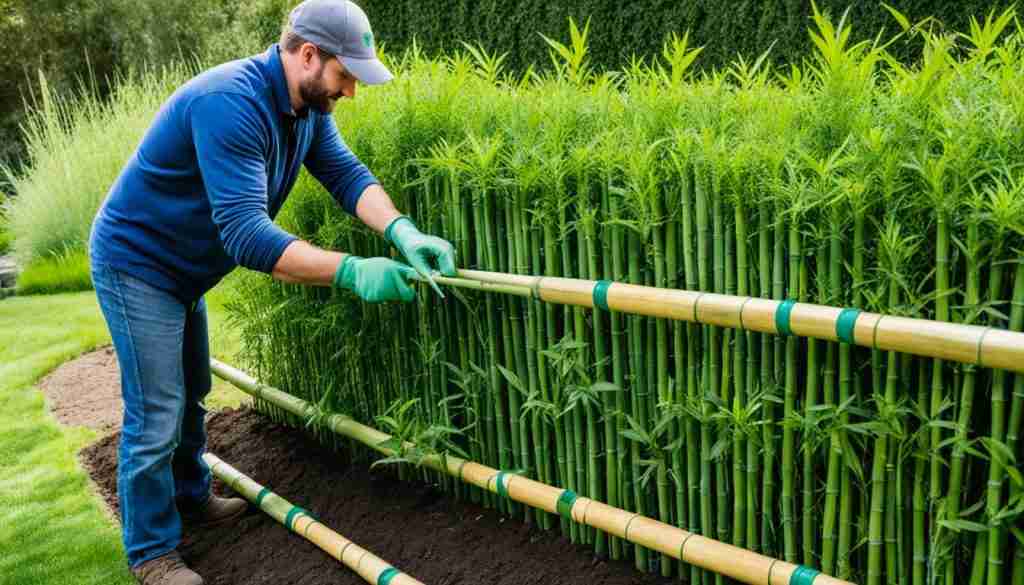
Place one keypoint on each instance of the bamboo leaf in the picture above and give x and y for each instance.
(513, 379)
(903, 21)
(1018, 534)
(963, 525)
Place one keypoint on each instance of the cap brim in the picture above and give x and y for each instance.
(368, 71)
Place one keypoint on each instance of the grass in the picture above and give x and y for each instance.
(57, 273)
(47, 504)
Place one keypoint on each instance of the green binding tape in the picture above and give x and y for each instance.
(259, 497)
(387, 575)
(844, 325)
(565, 503)
(601, 294)
(803, 576)
(499, 484)
(294, 514)
(782, 317)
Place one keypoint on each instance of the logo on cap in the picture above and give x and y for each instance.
(368, 39)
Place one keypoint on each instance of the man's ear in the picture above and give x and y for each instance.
(307, 54)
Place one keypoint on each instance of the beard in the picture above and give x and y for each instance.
(314, 94)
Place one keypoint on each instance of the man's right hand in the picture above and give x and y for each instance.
(376, 279)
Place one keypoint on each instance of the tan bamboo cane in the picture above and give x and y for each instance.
(707, 553)
(970, 344)
(368, 566)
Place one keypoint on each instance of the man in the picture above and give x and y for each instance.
(195, 200)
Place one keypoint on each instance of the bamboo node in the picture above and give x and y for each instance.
(981, 345)
(743, 306)
(682, 547)
(625, 533)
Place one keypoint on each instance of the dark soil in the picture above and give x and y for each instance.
(419, 530)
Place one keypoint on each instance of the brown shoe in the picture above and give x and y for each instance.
(166, 570)
(214, 511)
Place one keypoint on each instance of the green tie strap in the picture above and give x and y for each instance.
(803, 576)
(259, 497)
(601, 294)
(782, 314)
(565, 503)
(845, 324)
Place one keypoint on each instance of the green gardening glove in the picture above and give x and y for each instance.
(419, 249)
(375, 279)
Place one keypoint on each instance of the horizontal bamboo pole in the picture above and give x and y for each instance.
(725, 559)
(970, 344)
(368, 566)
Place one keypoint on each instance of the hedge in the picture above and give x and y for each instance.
(621, 29)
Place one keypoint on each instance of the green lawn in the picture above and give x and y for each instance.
(53, 529)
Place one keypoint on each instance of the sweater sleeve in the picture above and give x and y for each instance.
(231, 146)
(331, 162)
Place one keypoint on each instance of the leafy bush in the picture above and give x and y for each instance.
(77, 146)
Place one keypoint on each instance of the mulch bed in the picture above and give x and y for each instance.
(418, 529)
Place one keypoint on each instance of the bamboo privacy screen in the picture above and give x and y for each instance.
(769, 195)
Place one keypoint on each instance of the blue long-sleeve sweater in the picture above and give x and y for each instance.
(198, 196)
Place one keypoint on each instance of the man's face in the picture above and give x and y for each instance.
(325, 85)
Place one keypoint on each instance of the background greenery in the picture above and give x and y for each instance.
(69, 45)
(621, 30)
(77, 43)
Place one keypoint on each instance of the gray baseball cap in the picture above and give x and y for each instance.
(342, 29)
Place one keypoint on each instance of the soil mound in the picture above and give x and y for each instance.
(418, 529)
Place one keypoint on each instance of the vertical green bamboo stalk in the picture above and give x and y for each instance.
(808, 521)
(994, 496)
(719, 354)
(956, 468)
(677, 392)
(510, 340)
(739, 449)
(835, 455)
(769, 504)
(562, 449)
(637, 394)
(592, 448)
(789, 405)
(538, 432)
(520, 428)
(846, 355)
(920, 505)
(601, 544)
(1017, 416)
(660, 281)
(941, 314)
(619, 367)
(690, 270)
(505, 450)
(494, 445)
(704, 276)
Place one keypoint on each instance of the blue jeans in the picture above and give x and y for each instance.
(163, 350)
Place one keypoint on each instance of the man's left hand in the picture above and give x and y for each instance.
(420, 249)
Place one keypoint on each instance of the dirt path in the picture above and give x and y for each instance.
(420, 530)
(86, 391)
